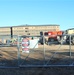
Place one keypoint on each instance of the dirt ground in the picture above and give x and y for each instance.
(10, 53)
(39, 71)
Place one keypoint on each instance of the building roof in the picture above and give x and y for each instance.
(5, 27)
(30, 25)
(36, 25)
(71, 29)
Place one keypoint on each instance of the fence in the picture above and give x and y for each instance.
(47, 55)
(8, 51)
(29, 51)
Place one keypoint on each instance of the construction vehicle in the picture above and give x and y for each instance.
(51, 36)
(57, 36)
(70, 32)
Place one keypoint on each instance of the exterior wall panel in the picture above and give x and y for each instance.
(28, 29)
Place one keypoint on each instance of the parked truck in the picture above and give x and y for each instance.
(51, 36)
(56, 36)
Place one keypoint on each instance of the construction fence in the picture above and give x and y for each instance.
(27, 51)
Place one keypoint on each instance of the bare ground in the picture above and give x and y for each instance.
(39, 71)
(11, 53)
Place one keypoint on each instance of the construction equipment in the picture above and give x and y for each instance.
(53, 36)
(70, 32)
(57, 36)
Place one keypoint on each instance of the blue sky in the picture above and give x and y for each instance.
(37, 12)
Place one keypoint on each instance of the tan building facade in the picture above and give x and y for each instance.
(30, 30)
(5, 31)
